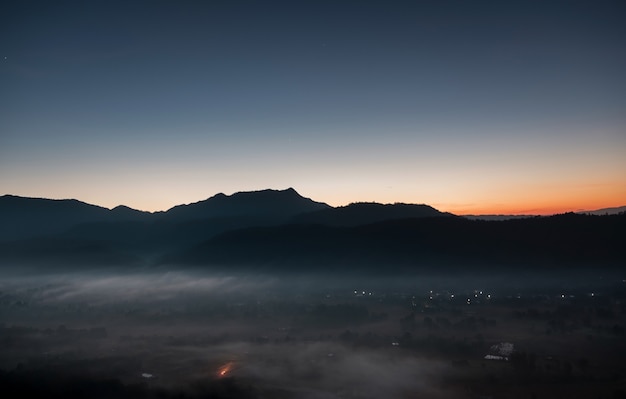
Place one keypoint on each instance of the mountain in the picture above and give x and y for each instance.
(23, 217)
(274, 205)
(122, 212)
(32, 217)
(367, 212)
(186, 225)
(42, 229)
(279, 229)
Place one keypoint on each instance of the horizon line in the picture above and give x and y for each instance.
(529, 213)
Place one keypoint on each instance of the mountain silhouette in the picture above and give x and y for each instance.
(283, 230)
(122, 212)
(24, 217)
(42, 229)
(185, 225)
(274, 205)
(605, 211)
(361, 213)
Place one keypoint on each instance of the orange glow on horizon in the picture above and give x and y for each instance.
(536, 198)
(524, 205)
(548, 203)
(544, 207)
(530, 197)
(517, 210)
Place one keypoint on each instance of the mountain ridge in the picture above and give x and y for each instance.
(26, 217)
(600, 211)
(281, 227)
(262, 203)
(359, 213)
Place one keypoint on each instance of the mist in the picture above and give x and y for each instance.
(334, 335)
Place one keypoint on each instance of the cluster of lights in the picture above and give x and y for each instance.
(478, 294)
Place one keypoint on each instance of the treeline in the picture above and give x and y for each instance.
(561, 241)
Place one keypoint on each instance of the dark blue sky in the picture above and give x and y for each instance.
(468, 106)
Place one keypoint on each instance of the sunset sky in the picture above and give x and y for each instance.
(468, 106)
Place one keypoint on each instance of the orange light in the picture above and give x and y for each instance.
(225, 369)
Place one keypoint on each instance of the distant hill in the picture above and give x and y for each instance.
(603, 211)
(22, 217)
(606, 211)
(437, 243)
(498, 217)
(367, 212)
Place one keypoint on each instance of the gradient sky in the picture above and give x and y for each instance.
(469, 106)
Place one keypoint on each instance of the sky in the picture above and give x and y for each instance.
(468, 106)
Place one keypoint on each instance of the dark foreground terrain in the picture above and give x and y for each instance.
(164, 334)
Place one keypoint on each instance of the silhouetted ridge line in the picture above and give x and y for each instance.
(264, 204)
(606, 211)
(360, 213)
(35, 217)
(285, 230)
(28, 217)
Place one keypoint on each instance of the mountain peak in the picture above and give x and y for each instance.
(267, 191)
(123, 211)
(122, 208)
(262, 204)
(289, 190)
